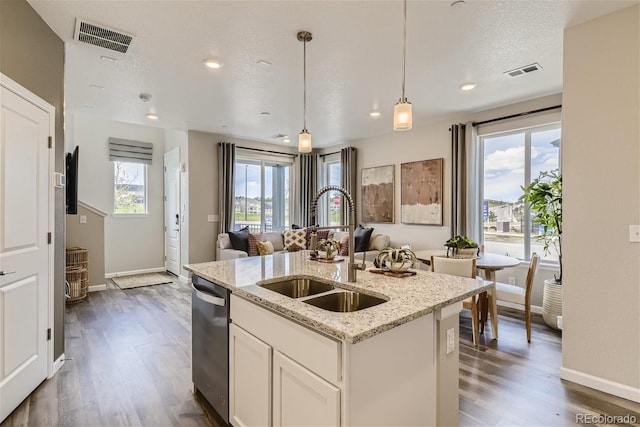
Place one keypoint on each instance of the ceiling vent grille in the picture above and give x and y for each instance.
(96, 35)
(523, 70)
(277, 136)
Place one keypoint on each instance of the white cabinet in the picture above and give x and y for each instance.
(300, 397)
(286, 374)
(250, 379)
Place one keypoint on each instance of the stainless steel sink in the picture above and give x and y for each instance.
(345, 302)
(298, 287)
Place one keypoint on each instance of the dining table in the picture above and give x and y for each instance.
(489, 263)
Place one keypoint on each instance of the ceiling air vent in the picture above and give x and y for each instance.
(100, 36)
(523, 70)
(277, 136)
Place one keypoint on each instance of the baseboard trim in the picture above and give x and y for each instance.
(96, 288)
(534, 308)
(601, 384)
(132, 272)
(57, 364)
(183, 279)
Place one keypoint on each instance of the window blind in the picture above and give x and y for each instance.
(124, 150)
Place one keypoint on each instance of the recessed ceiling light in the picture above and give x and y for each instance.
(108, 58)
(286, 140)
(152, 116)
(144, 97)
(87, 106)
(265, 113)
(212, 63)
(264, 63)
(458, 4)
(467, 86)
(94, 86)
(375, 113)
(223, 126)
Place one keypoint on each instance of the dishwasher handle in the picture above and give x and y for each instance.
(208, 298)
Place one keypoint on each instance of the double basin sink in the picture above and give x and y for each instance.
(332, 298)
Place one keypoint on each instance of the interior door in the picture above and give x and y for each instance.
(24, 248)
(172, 220)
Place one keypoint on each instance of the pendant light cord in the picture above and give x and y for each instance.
(404, 50)
(304, 78)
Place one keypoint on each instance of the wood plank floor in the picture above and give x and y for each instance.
(130, 365)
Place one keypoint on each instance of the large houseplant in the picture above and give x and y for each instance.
(544, 197)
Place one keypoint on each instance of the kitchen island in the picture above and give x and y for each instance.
(292, 363)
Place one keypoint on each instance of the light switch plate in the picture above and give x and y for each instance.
(83, 219)
(634, 233)
(210, 218)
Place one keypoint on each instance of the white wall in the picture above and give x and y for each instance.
(601, 165)
(131, 243)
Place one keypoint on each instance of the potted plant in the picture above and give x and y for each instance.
(462, 247)
(544, 197)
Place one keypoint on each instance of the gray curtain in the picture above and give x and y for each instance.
(306, 167)
(226, 173)
(465, 182)
(459, 206)
(348, 179)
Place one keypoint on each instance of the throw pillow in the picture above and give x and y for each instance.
(240, 239)
(253, 243)
(344, 245)
(362, 236)
(295, 240)
(265, 248)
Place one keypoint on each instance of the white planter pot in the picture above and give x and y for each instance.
(552, 303)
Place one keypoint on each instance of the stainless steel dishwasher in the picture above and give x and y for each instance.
(210, 343)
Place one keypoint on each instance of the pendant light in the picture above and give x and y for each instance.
(403, 110)
(304, 139)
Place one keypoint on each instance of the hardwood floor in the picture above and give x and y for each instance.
(130, 364)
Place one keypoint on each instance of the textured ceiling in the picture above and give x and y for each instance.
(354, 63)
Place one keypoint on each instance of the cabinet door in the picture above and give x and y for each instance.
(300, 397)
(249, 379)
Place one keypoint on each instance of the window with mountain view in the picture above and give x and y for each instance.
(511, 160)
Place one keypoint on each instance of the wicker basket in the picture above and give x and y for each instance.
(77, 257)
(77, 278)
(77, 274)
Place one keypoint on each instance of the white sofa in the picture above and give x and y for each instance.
(224, 249)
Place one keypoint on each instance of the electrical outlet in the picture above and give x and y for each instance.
(634, 233)
(512, 280)
(451, 340)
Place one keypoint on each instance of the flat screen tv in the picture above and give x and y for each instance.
(72, 181)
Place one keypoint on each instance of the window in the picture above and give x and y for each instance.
(511, 160)
(332, 202)
(130, 188)
(261, 188)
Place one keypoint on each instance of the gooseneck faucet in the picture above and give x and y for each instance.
(352, 267)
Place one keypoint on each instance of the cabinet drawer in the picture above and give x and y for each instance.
(316, 352)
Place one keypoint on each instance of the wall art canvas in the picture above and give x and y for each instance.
(377, 194)
(421, 192)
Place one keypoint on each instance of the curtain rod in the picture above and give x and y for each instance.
(541, 110)
(267, 151)
(329, 154)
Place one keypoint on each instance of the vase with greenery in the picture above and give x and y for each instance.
(544, 197)
(458, 245)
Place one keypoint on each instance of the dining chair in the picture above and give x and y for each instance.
(465, 267)
(519, 295)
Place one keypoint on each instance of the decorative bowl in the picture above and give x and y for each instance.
(396, 260)
(327, 248)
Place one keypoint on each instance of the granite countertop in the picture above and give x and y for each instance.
(408, 298)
